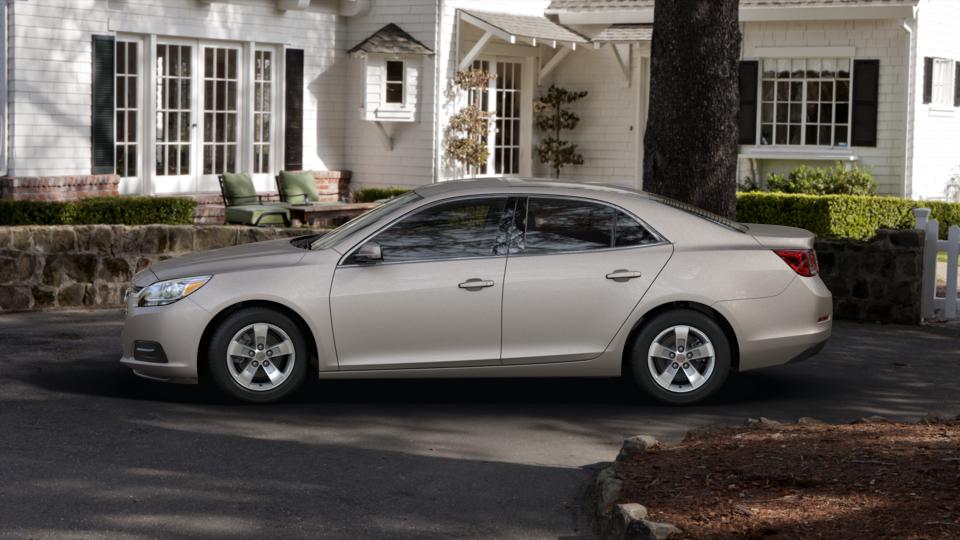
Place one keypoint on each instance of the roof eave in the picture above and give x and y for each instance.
(748, 14)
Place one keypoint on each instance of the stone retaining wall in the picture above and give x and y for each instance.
(69, 266)
(47, 267)
(877, 280)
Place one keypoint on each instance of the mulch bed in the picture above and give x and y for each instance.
(859, 481)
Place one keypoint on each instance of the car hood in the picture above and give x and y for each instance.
(269, 254)
(781, 237)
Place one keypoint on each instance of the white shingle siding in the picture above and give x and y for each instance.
(936, 131)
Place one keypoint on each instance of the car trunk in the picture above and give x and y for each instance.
(780, 237)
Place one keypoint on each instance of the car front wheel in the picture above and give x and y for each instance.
(681, 357)
(258, 355)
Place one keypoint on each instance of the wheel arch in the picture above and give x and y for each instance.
(724, 324)
(233, 308)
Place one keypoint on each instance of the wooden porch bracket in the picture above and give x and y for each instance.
(626, 66)
(468, 59)
(553, 63)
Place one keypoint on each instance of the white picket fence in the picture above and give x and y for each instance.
(931, 304)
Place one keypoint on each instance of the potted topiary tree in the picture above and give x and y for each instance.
(552, 118)
(466, 134)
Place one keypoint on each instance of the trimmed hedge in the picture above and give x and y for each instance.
(841, 216)
(374, 194)
(100, 210)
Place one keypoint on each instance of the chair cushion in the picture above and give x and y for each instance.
(298, 187)
(248, 214)
(238, 189)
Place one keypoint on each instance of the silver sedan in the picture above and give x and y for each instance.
(488, 278)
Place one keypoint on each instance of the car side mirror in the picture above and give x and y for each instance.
(368, 253)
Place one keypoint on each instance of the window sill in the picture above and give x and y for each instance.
(942, 110)
(783, 153)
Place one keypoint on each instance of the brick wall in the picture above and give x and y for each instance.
(58, 188)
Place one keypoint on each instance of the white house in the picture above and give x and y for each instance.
(166, 94)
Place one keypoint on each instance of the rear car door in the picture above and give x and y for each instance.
(576, 272)
(434, 300)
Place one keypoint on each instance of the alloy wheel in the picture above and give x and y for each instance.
(681, 359)
(260, 357)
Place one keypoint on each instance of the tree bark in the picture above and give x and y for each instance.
(690, 145)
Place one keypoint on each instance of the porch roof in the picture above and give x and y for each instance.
(557, 6)
(624, 33)
(511, 27)
(391, 39)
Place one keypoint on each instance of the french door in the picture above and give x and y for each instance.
(509, 138)
(214, 111)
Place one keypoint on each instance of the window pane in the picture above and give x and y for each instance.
(768, 91)
(471, 228)
(794, 134)
(843, 90)
(812, 114)
(394, 71)
(630, 233)
(826, 112)
(767, 113)
(825, 136)
(555, 225)
(766, 134)
(394, 92)
(811, 135)
(841, 135)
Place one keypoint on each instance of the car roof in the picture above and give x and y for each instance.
(502, 184)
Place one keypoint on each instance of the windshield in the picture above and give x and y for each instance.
(334, 237)
(699, 212)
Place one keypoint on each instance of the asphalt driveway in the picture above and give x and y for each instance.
(87, 450)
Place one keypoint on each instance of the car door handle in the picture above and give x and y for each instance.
(623, 275)
(476, 283)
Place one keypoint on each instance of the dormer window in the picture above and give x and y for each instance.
(392, 69)
(394, 90)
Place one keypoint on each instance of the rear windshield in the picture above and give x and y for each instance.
(700, 213)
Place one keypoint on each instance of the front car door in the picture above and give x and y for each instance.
(575, 275)
(435, 298)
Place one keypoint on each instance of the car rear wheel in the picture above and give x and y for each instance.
(681, 357)
(258, 355)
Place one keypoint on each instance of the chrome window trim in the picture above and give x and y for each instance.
(661, 240)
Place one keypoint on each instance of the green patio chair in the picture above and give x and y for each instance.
(297, 187)
(244, 206)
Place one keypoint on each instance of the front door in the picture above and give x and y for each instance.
(175, 169)
(504, 98)
(434, 299)
(579, 270)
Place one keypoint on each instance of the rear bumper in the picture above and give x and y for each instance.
(177, 328)
(783, 328)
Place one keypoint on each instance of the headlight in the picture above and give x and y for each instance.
(168, 292)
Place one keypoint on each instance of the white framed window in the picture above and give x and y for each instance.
(221, 109)
(943, 81)
(805, 102)
(394, 82)
(502, 98)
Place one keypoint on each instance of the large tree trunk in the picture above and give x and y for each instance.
(690, 146)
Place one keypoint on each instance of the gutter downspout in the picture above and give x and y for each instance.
(910, 128)
(437, 94)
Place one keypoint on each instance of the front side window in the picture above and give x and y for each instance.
(562, 225)
(394, 82)
(805, 101)
(943, 80)
(457, 229)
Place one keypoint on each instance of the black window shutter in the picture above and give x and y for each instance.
(102, 133)
(293, 116)
(927, 79)
(956, 84)
(749, 71)
(866, 80)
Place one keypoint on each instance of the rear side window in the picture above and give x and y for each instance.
(567, 225)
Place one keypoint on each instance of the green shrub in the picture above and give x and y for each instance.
(373, 194)
(836, 180)
(841, 216)
(100, 210)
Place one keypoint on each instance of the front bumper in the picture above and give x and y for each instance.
(177, 328)
(783, 328)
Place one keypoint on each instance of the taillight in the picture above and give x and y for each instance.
(803, 261)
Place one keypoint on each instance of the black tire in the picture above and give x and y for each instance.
(641, 346)
(234, 323)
